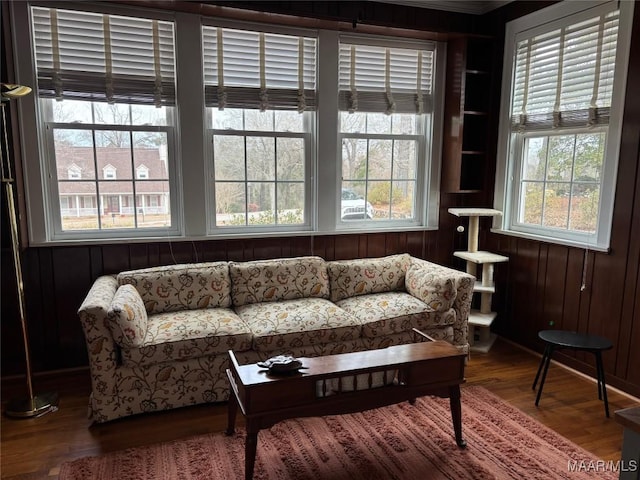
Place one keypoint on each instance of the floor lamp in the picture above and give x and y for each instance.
(33, 405)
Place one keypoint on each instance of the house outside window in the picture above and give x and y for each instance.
(108, 117)
(560, 127)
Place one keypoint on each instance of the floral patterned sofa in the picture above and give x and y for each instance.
(157, 338)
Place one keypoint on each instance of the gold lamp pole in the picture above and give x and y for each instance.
(33, 405)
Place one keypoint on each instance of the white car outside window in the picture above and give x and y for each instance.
(354, 206)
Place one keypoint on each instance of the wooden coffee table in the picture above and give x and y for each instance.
(404, 372)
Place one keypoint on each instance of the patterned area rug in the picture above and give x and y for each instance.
(398, 442)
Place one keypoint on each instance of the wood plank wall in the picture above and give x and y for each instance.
(540, 284)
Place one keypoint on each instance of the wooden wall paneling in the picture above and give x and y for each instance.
(630, 317)
(234, 250)
(175, 253)
(509, 249)
(506, 324)
(447, 238)
(526, 298)
(300, 246)
(539, 321)
(432, 242)
(115, 258)
(10, 336)
(323, 246)
(96, 266)
(586, 273)
(394, 243)
(377, 245)
(359, 248)
(572, 294)
(139, 255)
(70, 273)
(213, 250)
(343, 247)
(285, 247)
(633, 340)
(501, 244)
(153, 254)
(271, 248)
(416, 243)
(42, 307)
(626, 225)
(606, 301)
(554, 285)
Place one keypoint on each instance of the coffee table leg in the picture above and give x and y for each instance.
(456, 414)
(232, 410)
(250, 447)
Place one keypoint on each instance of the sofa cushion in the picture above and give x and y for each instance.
(434, 290)
(189, 334)
(349, 278)
(394, 312)
(127, 317)
(187, 286)
(279, 279)
(281, 326)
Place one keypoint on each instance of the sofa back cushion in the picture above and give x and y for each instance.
(187, 286)
(349, 278)
(127, 317)
(434, 289)
(279, 279)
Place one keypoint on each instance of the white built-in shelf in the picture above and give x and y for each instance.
(481, 257)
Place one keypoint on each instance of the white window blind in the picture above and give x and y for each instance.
(100, 57)
(249, 69)
(385, 79)
(564, 77)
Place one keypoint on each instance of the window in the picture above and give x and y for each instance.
(385, 102)
(74, 172)
(109, 172)
(260, 94)
(249, 150)
(560, 129)
(107, 108)
(142, 172)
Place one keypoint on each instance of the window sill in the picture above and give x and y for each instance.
(556, 241)
(229, 236)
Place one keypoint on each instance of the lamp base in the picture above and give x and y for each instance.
(32, 407)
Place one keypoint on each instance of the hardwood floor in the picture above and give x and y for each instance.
(35, 448)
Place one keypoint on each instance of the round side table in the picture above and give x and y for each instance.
(560, 339)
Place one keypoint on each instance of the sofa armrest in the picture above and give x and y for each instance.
(462, 304)
(101, 347)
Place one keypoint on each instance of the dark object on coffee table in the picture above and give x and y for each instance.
(281, 364)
